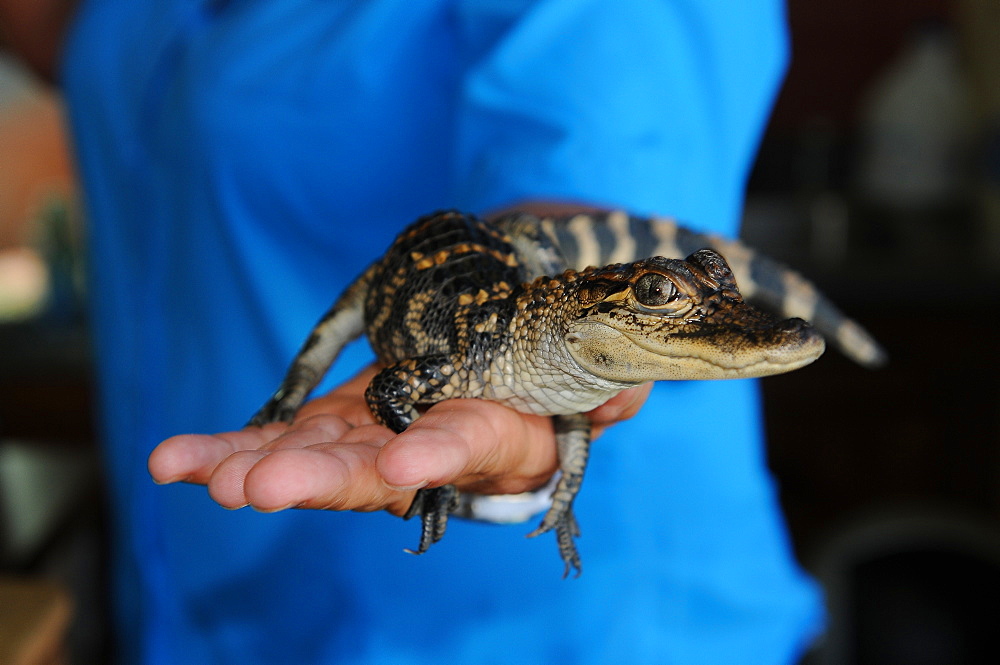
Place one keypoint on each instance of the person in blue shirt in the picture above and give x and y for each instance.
(241, 161)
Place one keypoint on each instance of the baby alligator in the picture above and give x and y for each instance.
(515, 310)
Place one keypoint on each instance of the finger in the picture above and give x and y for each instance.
(475, 444)
(325, 476)
(226, 483)
(309, 431)
(193, 457)
(622, 406)
(227, 480)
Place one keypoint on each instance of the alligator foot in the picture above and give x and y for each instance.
(560, 517)
(433, 505)
(573, 440)
(272, 412)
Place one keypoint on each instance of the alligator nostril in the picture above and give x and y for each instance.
(793, 325)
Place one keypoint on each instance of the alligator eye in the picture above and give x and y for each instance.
(654, 290)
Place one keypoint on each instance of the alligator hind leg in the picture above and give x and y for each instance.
(573, 439)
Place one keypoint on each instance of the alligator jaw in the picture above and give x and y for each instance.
(723, 353)
(736, 354)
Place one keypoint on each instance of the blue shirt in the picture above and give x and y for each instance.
(242, 160)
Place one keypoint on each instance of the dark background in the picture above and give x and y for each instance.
(889, 478)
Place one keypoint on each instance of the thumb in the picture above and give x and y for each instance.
(477, 445)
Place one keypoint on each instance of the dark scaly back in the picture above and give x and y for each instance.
(615, 237)
(436, 265)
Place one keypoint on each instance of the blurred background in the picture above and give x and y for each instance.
(879, 178)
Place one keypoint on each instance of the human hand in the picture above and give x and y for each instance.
(335, 457)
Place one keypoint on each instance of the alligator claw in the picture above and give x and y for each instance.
(277, 409)
(565, 534)
(433, 505)
(561, 518)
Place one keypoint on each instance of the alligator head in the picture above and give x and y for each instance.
(660, 318)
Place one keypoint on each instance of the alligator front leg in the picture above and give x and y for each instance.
(434, 505)
(392, 397)
(344, 322)
(573, 440)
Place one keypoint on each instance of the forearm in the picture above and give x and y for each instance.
(34, 31)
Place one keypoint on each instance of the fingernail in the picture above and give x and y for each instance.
(276, 510)
(175, 479)
(406, 488)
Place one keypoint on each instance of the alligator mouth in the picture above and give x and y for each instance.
(789, 345)
(768, 366)
(699, 353)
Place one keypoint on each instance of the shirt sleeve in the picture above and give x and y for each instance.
(652, 105)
